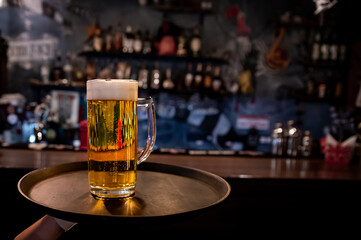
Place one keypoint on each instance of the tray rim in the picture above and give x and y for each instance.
(160, 167)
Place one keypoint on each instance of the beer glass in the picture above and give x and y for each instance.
(112, 136)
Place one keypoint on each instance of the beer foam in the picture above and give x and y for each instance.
(112, 89)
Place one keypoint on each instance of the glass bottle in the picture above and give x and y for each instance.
(198, 77)
(143, 77)
(207, 82)
(195, 42)
(188, 80)
(217, 81)
(128, 40)
(156, 77)
(147, 43)
(138, 44)
(168, 83)
(118, 36)
(58, 73)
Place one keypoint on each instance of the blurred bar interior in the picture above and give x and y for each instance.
(225, 75)
(279, 80)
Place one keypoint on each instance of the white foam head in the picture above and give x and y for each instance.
(112, 89)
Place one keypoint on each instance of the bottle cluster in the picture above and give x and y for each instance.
(169, 40)
(290, 141)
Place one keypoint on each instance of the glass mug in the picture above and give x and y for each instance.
(112, 136)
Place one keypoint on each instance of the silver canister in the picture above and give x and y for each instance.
(293, 140)
(307, 141)
(278, 140)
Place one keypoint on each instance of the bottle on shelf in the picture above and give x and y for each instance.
(45, 72)
(342, 51)
(188, 79)
(207, 81)
(217, 84)
(198, 77)
(120, 71)
(109, 39)
(155, 82)
(168, 82)
(325, 47)
(118, 36)
(147, 43)
(315, 54)
(90, 70)
(68, 69)
(143, 77)
(58, 73)
(195, 42)
(181, 47)
(310, 85)
(98, 41)
(334, 48)
(128, 40)
(138, 43)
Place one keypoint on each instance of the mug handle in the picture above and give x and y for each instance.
(149, 105)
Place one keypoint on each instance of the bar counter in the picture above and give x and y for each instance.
(224, 166)
(262, 189)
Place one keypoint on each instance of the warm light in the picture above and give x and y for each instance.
(2, 3)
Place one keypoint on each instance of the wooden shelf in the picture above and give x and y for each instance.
(149, 57)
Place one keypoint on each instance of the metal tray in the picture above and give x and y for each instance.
(162, 192)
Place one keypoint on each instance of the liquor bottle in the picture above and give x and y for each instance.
(322, 88)
(207, 82)
(168, 83)
(58, 73)
(147, 43)
(343, 51)
(120, 71)
(198, 77)
(143, 77)
(128, 40)
(68, 69)
(109, 39)
(90, 70)
(181, 47)
(195, 42)
(118, 36)
(310, 88)
(338, 87)
(98, 42)
(334, 48)
(45, 72)
(155, 77)
(188, 80)
(217, 81)
(138, 44)
(315, 55)
(325, 47)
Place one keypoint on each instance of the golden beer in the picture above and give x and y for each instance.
(112, 147)
(112, 137)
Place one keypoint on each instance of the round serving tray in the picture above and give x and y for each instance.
(162, 192)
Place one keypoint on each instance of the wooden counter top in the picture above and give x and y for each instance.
(225, 166)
